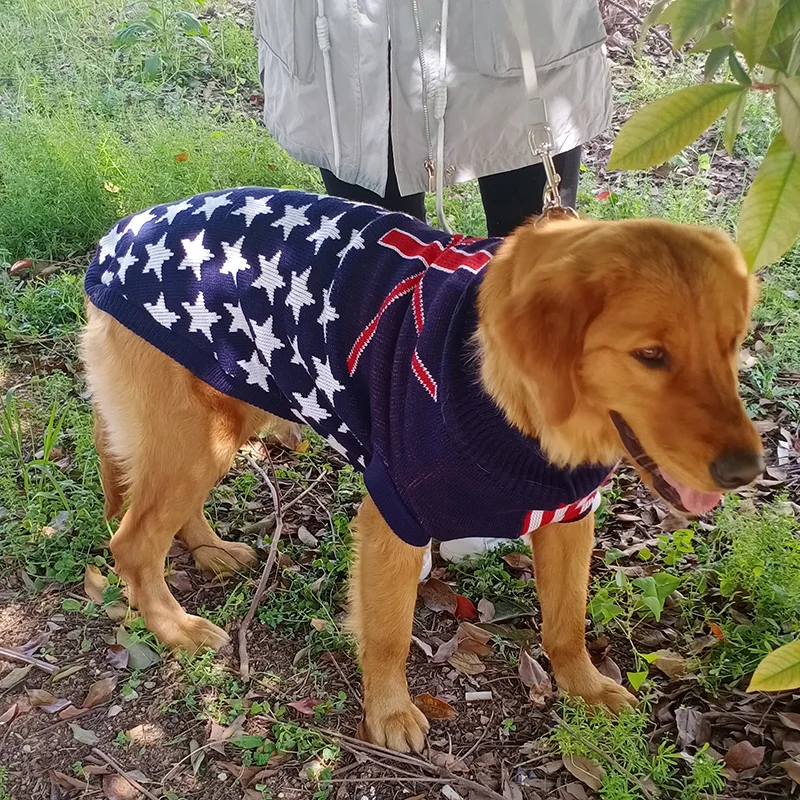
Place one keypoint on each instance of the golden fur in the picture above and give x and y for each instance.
(562, 307)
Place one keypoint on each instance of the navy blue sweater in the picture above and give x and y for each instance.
(356, 321)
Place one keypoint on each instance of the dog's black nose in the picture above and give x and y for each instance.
(736, 468)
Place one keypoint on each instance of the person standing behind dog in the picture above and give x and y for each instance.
(355, 89)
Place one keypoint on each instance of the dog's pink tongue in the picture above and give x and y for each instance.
(694, 501)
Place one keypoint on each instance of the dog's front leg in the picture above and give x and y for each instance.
(383, 591)
(561, 557)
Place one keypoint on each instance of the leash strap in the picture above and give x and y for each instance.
(540, 136)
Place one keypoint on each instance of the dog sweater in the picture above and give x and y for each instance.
(356, 321)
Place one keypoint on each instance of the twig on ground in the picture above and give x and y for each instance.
(633, 16)
(192, 753)
(611, 760)
(350, 686)
(121, 771)
(272, 484)
(9, 654)
(305, 491)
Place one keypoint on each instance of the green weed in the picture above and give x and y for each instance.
(489, 577)
(628, 759)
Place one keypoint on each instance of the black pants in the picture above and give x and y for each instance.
(509, 198)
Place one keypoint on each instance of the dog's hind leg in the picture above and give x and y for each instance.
(212, 553)
(111, 474)
(174, 437)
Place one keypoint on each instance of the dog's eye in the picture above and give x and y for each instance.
(653, 357)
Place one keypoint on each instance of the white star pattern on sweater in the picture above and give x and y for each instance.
(356, 243)
(125, 262)
(161, 314)
(292, 217)
(212, 203)
(253, 206)
(235, 262)
(107, 277)
(325, 380)
(310, 407)
(196, 254)
(137, 222)
(327, 230)
(328, 312)
(172, 211)
(257, 372)
(299, 295)
(202, 318)
(297, 358)
(238, 319)
(108, 244)
(159, 254)
(269, 279)
(336, 444)
(266, 341)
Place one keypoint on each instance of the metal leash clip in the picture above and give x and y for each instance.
(540, 139)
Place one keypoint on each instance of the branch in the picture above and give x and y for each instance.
(9, 654)
(633, 16)
(244, 656)
(120, 771)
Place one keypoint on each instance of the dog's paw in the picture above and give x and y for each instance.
(225, 558)
(598, 690)
(401, 728)
(189, 633)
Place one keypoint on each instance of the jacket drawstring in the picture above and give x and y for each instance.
(440, 105)
(324, 40)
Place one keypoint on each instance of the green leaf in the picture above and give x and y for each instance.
(152, 66)
(662, 129)
(787, 100)
(753, 21)
(720, 37)
(189, 23)
(715, 60)
(779, 671)
(690, 16)
(70, 604)
(636, 679)
(655, 605)
(248, 742)
(769, 222)
(787, 23)
(737, 70)
(733, 120)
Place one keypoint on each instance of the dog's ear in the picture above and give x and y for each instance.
(544, 331)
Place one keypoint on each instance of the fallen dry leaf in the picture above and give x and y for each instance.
(196, 756)
(585, 770)
(244, 775)
(610, 669)
(8, 714)
(438, 596)
(181, 157)
(220, 734)
(485, 610)
(94, 584)
(18, 267)
(474, 646)
(537, 681)
(306, 537)
(41, 698)
(17, 675)
(466, 663)
(716, 631)
(41, 639)
(464, 608)
(670, 663)
(66, 782)
(70, 712)
(519, 561)
(791, 744)
(424, 646)
(448, 761)
(693, 727)
(305, 706)
(434, 708)
(445, 650)
(792, 769)
(466, 630)
(117, 656)
(180, 581)
(319, 624)
(115, 787)
(100, 692)
(83, 735)
(702, 643)
(790, 720)
(743, 756)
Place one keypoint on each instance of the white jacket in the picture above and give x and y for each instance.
(317, 110)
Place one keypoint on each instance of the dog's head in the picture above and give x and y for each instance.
(624, 338)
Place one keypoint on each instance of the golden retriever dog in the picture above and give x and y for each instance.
(598, 340)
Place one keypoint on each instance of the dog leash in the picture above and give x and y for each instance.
(540, 135)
